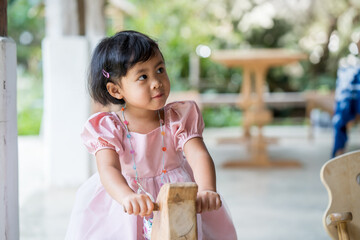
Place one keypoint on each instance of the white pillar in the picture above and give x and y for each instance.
(61, 18)
(194, 71)
(66, 108)
(9, 213)
(95, 26)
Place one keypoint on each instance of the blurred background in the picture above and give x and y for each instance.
(326, 30)
(188, 32)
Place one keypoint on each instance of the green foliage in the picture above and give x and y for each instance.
(217, 78)
(29, 104)
(221, 117)
(29, 121)
(269, 38)
(26, 27)
(179, 28)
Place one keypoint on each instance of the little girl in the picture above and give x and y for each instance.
(141, 147)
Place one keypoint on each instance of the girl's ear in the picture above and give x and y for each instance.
(114, 90)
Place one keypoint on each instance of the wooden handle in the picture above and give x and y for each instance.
(340, 220)
(343, 233)
(156, 207)
(335, 218)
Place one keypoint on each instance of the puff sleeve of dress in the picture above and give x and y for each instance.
(186, 122)
(101, 132)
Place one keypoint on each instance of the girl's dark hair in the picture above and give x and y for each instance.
(116, 55)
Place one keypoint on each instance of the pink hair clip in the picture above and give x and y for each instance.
(105, 73)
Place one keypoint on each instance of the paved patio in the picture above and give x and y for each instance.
(270, 204)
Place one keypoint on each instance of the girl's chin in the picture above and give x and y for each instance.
(160, 106)
(160, 101)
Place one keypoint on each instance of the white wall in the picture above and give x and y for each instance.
(66, 108)
(9, 213)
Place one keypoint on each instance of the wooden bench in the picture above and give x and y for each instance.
(276, 100)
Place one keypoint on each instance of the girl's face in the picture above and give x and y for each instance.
(145, 86)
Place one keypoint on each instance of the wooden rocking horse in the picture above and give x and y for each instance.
(175, 212)
(341, 177)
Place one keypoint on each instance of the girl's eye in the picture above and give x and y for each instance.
(160, 70)
(142, 77)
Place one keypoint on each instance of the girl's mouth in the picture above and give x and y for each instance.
(158, 95)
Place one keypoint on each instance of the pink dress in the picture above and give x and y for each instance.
(96, 216)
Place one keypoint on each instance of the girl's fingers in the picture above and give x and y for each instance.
(147, 206)
(135, 207)
(207, 201)
(204, 204)
(150, 207)
(212, 203)
(128, 208)
(215, 203)
(218, 202)
(141, 205)
(198, 205)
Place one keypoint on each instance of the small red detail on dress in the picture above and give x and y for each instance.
(102, 141)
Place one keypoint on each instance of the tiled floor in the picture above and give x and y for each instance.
(265, 203)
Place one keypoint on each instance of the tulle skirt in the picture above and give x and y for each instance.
(96, 216)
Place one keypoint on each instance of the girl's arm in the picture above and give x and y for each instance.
(203, 168)
(115, 184)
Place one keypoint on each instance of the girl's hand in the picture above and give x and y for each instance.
(207, 201)
(138, 204)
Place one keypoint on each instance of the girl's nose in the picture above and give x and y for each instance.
(156, 83)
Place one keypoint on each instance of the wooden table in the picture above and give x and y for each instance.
(255, 64)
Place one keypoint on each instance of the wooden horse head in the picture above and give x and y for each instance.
(341, 177)
(176, 217)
